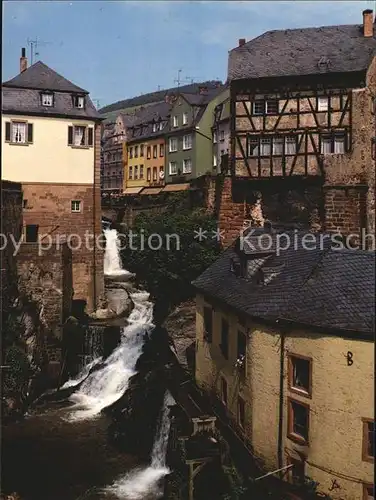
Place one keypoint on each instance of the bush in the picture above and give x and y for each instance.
(167, 273)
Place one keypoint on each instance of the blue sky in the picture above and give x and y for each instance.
(124, 48)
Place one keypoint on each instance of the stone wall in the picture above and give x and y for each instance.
(11, 224)
(46, 278)
(239, 203)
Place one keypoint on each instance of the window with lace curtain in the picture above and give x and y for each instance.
(80, 136)
(17, 132)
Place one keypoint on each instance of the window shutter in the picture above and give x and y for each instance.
(7, 131)
(70, 136)
(90, 136)
(29, 132)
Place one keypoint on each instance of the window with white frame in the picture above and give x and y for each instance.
(322, 104)
(175, 121)
(258, 107)
(326, 145)
(173, 168)
(47, 99)
(265, 146)
(173, 144)
(253, 146)
(278, 146)
(79, 101)
(339, 144)
(19, 132)
(187, 141)
(161, 126)
(136, 172)
(185, 118)
(214, 160)
(187, 166)
(155, 127)
(79, 136)
(215, 137)
(290, 147)
(271, 106)
(75, 206)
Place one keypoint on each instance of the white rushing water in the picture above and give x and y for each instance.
(82, 375)
(107, 384)
(112, 260)
(142, 484)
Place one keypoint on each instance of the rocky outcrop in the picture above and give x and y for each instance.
(135, 414)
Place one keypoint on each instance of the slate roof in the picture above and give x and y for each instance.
(295, 52)
(154, 97)
(39, 76)
(323, 288)
(28, 101)
(142, 126)
(22, 94)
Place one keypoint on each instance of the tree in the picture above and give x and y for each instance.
(170, 256)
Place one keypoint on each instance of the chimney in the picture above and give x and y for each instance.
(23, 60)
(203, 90)
(368, 23)
(241, 41)
(170, 98)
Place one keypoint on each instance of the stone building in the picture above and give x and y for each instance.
(50, 141)
(285, 347)
(303, 127)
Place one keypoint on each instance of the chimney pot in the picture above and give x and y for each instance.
(203, 90)
(368, 23)
(241, 41)
(23, 60)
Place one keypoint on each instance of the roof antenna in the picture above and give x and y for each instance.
(177, 80)
(34, 44)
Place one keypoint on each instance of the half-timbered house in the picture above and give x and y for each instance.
(302, 109)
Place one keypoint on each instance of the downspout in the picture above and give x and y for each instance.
(281, 385)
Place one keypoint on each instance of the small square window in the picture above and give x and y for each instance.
(300, 374)
(31, 233)
(75, 206)
(79, 102)
(322, 104)
(298, 421)
(258, 107)
(271, 107)
(47, 100)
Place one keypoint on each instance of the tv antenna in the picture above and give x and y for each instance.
(178, 80)
(190, 79)
(96, 102)
(34, 51)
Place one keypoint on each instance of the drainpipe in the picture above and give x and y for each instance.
(281, 384)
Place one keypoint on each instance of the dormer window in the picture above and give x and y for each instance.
(155, 127)
(47, 99)
(79, 101)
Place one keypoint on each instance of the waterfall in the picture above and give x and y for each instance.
(112, 260)
(142, 484)
(106, 385)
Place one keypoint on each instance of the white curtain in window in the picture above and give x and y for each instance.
(290, 148)
(277, 145)
(339, 145)
(79, 136)
(19, 132)
(326, 145)
(265, 147)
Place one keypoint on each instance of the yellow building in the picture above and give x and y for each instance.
(144, 164)
(51, 144)
(292, 361)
